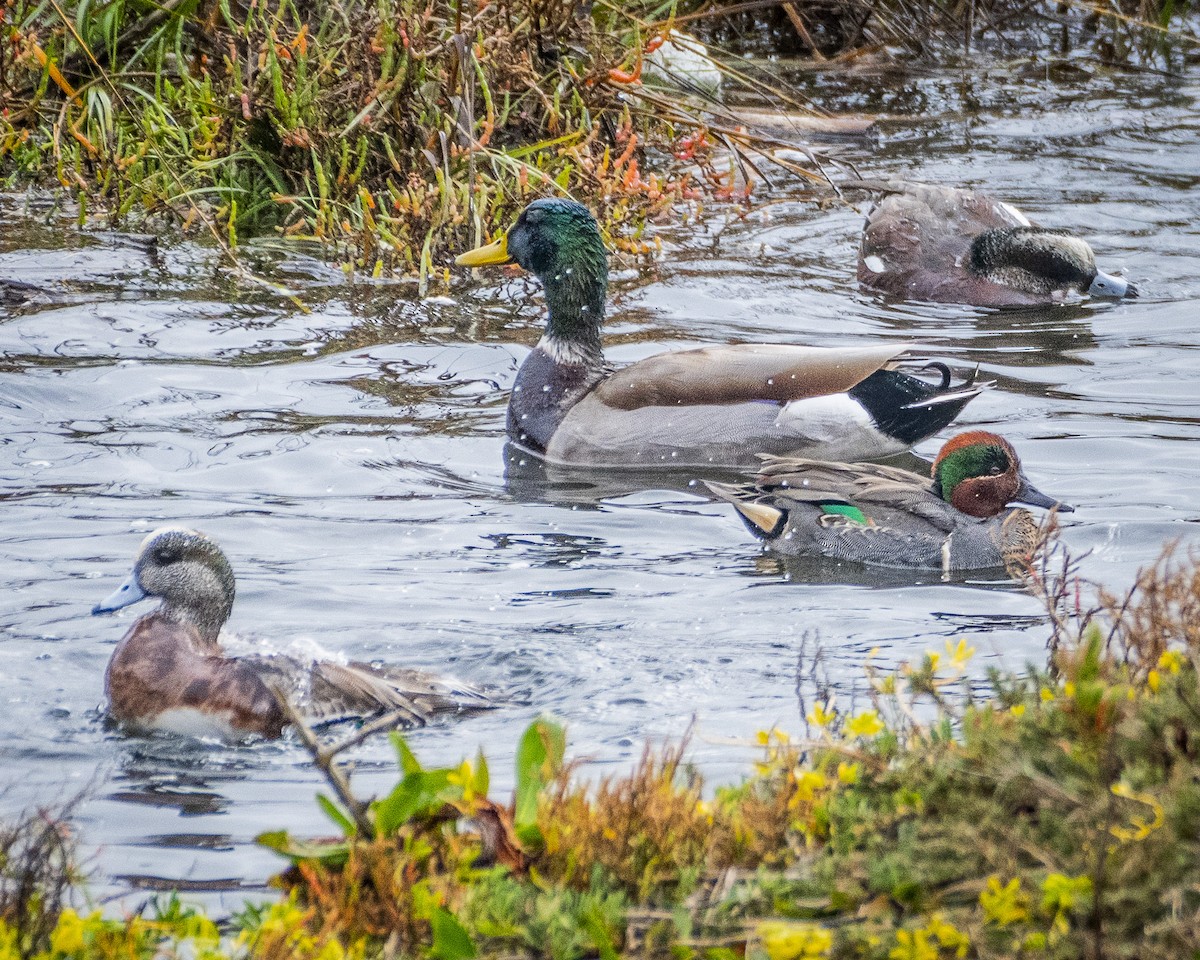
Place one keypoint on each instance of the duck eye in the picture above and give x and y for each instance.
(165, 557)
(995, 471)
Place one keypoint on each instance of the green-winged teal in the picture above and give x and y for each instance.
(880, 515)
(170, 674)
(926, 242)
(716, 406)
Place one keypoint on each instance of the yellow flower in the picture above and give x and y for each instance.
(822, 715)
(8, 943)
(332, 951)
(959, 654)
(932, 660)
(1017, 709)
(948, 936)
(848, 772)
(67, 936)
(1069, 689)
(808, 783)
(1153, 681)
(913, 945)
(865, 724)
(1061, 894)
(1006, 904)
(794, 941)
(1141, 828)
(1046, 694)
(1171, 660)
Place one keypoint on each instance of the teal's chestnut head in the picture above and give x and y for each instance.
(979, 473)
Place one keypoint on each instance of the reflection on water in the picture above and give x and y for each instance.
(351, 461)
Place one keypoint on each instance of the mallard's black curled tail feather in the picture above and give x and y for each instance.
(909, 408)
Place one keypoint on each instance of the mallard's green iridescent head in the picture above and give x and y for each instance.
(559, 241)
(980, 474)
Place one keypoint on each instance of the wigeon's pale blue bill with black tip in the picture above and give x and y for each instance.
(1106, 285)
(128, 592)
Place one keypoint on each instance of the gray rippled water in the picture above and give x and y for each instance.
(351, 462)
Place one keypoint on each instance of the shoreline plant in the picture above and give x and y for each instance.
(1057, 817)
(388, 131)
(392, 131)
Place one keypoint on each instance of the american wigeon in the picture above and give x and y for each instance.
(170, 673)
(927, 242)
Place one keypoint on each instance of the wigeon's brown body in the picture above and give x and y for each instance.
(882, 516)
(947, 245)
(170, 674)
(162, 668)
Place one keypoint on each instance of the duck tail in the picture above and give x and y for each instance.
(762, 519)
(910, 409)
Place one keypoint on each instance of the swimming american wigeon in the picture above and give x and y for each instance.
(716, 406)
(170, 674)
(926, 242)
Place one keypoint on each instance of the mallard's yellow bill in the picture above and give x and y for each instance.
(495, 252)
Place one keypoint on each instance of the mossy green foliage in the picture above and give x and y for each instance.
(1059, 817)
(389, 130)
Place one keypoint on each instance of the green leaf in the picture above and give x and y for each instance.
(450, 938)
(482, 777)
(1089, 669)
(420, 793)
(332, 853)
(334, 813)
(539, 759)
(597, 929)
(408, 760)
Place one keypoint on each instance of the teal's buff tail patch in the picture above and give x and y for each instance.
(847, 510)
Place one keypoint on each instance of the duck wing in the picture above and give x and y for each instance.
(742, 373)
(788, 507)
(325, 691)
(722, 406)
(889, 497)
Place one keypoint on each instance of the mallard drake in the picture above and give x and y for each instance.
(170, 674)
(715, 406)
(880, 515)
(926, 242)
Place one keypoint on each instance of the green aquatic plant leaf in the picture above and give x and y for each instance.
(330, 853)
(539, 760)
(408, 760)
(420, 792)
(334, 813)
(450, 938)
